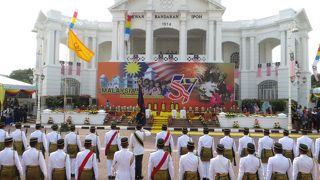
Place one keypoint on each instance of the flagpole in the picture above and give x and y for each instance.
(65, 83)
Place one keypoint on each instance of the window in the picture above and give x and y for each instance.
(73, 87)
(268, 90)
(234, 58)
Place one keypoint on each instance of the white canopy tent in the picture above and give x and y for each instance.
(9, 83)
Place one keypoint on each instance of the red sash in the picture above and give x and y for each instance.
(156, 169)
(166, 138)
(84, 162)
(109, 143)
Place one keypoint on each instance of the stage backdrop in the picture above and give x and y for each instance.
(187, 84)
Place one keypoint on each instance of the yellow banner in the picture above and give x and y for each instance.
(78, 47)
(2, 94)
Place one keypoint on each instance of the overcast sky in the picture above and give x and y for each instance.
(18, 43)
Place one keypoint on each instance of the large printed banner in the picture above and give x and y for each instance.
(188, 84)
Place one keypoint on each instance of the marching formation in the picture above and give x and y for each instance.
(283, 160)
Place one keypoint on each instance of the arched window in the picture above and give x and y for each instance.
(234, 58)
(268, 90)
(236, 91)
(72, 87)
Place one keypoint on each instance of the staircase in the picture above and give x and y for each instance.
(157, 123)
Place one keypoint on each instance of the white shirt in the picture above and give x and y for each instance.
(10, 158)
(116, 140)
(307, 141)
(265, 143)
(154, 160)
(183, 142)
(280, 164)
(124, 165)
(135, 146)
(95, 141)
(19, 135)
(59, 159)
(250, 164)
(72, 138)
(220, 165)
(304, 164)
(3, 135)
(41, 138)
(33, 157)
(317, 149)
(148, 113)
(288, 144)
(183, 114)
(163, 135)
(207, 142)
(228, 143)
(174, 113)
(243, 142)
(189, 162)
(91, 163)
(53, 137)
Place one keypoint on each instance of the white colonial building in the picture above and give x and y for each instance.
(184, 28)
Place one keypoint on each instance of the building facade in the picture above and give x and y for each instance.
(187, 30)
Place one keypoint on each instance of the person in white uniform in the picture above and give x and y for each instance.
(250, 165)
(229, 146)
(167, 137)
(9, 162)
(243, 142)
(220, 167)
(288, 145)
(59, 164)
(160, 166)
(72, 146)
(317, 150)
(137, 145)
(86, 163)
(52, 138)
(42, 140)
(182, 142)
(265, 146)
(33, 163)
(123, 165)
(205, 151)
(96, 145)
(304, 168)
(190, 166)
(112, 145)
(304, 139)
(19, 140)
(3, 135)
(279, 167)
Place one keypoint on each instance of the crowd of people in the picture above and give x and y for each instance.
(13, 114)
(285, 159)
(304, 118)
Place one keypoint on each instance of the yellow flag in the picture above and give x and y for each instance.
(78, 47)
(2, 94)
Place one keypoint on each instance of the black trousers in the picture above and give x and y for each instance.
(138, 164)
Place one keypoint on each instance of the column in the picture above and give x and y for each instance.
(39, 50)
(50, 47)
(305, 57)
(94, 49)
(210, 52)
(149, 40)
(121, 41)
(114, 53)
(57, 48)
(86, 42)
(252, 48)
(283, 49)
(183, 41)
(218, 42)
(243, 61)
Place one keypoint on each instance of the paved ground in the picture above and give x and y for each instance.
(150, 144)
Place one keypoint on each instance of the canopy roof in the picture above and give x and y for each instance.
(9, 83)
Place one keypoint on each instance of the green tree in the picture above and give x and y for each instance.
(24, 75)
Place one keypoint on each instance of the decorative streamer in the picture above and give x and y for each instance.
(268, 69)
(70, 68)
(277, 68)
(127, 30)
(292, 65)
(315, 63)
(62, 67)
(73, 20)
(259, 70)
(78, 68)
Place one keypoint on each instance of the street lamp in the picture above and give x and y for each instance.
(39, 77)
(293, 30)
